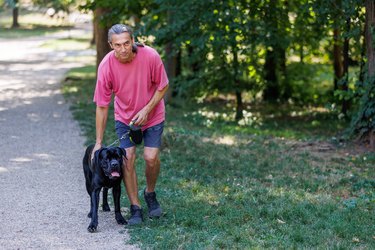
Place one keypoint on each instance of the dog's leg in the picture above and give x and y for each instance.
(116, 191)
(88, 177)
(89, 191)
(105, 200)
(94, 210)
(91, 206)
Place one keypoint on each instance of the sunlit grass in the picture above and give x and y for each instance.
(32, 23)
(224, 185)
(68, 43)
(83, 58)
(286, 121)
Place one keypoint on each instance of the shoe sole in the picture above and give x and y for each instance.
(132, 223)
(155, 213)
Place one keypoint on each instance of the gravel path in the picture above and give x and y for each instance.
(43, 201)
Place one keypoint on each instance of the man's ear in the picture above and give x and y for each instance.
(110, 45)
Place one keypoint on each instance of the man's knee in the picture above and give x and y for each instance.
(151, 159)
(129, 161)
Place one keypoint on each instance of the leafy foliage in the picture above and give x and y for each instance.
(63, 5)
(214, 40)
(363, 123)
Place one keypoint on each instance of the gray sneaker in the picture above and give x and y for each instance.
(154, 209)
(136, 215)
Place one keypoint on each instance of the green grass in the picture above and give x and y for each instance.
(267, 182)
(80, 43)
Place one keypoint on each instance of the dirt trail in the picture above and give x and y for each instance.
(43, 202)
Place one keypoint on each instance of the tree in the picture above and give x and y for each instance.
(363, 124)
(14, 5)
(63, 5)
(101, 28)
(338, 16)
(276, 41)
(214, 41)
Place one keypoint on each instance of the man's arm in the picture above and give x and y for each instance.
(142, 116)
(101, 122)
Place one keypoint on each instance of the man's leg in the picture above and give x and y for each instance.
(131, 184)
(152, 142)
(151, 156)
(130, 177)
(129, 173)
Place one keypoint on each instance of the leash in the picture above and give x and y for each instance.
(118, 140)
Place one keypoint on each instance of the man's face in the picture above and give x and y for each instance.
(122, 44)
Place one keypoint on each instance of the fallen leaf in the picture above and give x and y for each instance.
(280, 221)
(355, 239)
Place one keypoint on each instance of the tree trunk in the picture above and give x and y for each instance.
(237, 84)
(370, 21)
(171, 68)
(362, 70)
(271, 92)
(93, 39)
(370, 24)
(15, 15)
(171, 62)
(239, 106)
(301, 55)
(285, 88)
(272, 88)
(345, 83)
(337, 58)
(101, 35)
(194, 66)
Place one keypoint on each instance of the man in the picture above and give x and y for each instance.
(136, 76)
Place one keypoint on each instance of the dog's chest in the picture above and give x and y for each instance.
(107, 183)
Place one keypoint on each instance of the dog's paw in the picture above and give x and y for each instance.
(106, 208)
(92, 228)
(89, 215)
(120, 220)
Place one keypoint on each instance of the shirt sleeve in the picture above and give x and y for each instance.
(103, 89)
(159, 75)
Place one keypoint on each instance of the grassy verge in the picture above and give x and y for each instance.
(272, 182)
(32, 23)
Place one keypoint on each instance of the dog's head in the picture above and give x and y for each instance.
(110, 160)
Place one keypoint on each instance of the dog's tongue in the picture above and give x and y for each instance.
(115, 174)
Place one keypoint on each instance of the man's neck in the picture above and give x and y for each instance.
(128, 60)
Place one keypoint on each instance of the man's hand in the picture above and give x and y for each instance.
(141, 117)
(97, 147)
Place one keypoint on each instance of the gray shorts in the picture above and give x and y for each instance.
(151, 136)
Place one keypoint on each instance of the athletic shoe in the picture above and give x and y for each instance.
(154, 209)
(136, 215)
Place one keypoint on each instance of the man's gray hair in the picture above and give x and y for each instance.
(119, 29)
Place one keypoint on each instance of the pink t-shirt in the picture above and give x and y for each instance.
(133, 85)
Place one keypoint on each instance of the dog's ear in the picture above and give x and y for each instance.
(97, 156)
(121, 151)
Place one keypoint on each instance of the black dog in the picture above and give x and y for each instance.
(105, 171)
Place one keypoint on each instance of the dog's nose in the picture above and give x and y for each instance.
(114, 164)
